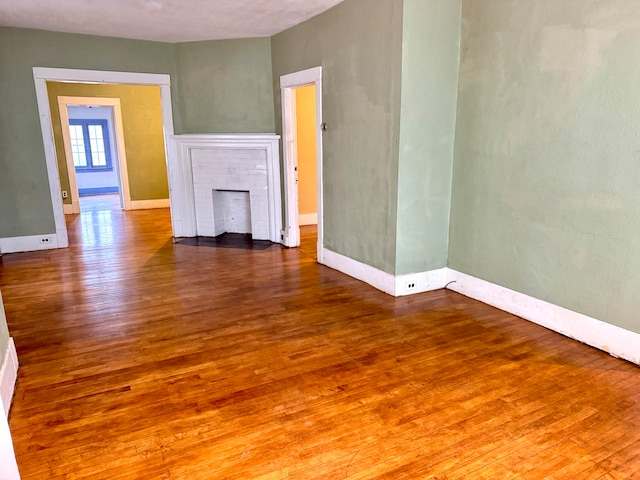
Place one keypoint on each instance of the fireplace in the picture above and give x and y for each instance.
(231, 184)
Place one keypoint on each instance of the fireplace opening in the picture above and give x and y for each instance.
(231, 211)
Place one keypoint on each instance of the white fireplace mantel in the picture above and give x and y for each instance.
(230, 149)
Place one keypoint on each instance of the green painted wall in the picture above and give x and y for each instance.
(25, 199)
(143, 134)
(227, 89)
(430, 53)
(359, 45)
(4, 333)
(226, 86)
(546, 196)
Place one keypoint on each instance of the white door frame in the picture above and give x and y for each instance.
(288, 84)
(123, 174)
(43, 74)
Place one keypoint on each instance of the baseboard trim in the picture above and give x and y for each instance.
(614, 340)
(29, 243)
(67, 208)
(308, 219)
(376, 278)
(8, 376)
(149, 204)
(396, 285)
(617, 341)
(428, 281)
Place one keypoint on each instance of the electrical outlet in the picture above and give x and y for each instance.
(64, 194)
(45, 240)
(410, 286)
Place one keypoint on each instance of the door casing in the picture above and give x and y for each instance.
(42, 75)
(288, 84)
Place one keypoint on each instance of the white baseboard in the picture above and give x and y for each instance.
(393, 285)
(29, 243)
(377, 278)
(8, 376)
(308, 219)
(617, 341)
(420, 282)
(148, 204)
(612, 339)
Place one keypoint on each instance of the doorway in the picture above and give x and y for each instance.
(42, 75)
(87, 174)
(293, 85)
(306, 143)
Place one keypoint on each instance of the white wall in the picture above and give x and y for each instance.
(98, 179)
(8, 466)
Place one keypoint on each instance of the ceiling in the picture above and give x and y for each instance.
(162, 20)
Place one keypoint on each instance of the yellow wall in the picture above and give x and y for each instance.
(307, 171)
(143, 134)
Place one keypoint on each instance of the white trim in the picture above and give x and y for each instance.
(617, 341)
(53, 174)
(301, 78)
(123, 172)
(308, 219)
(68, 209)
(291, 234)
(8, 376)
(181, 177)
(290, 160)
(377, 278)
(99, 76)
(8, 462)
(421, 282)
(43, 74)
(30, 243)
(395, 285)
(319, 164)
(148, 204)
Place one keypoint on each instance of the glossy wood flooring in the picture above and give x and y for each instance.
(141, 359)
(96, 203)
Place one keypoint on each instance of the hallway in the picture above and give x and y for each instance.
(141, 359)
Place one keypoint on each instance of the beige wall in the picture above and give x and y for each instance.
(143, 134)
(307, 170)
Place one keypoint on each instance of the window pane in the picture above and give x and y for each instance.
(77, 146)
(97, 146)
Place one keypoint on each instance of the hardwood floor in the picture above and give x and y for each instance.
(94, 203)
(308, 241)
(141, 359)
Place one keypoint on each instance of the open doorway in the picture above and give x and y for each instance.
(94, 150)
(298, 89)
(95, 158)
(306, 144)
(306, 137)
(42, 76)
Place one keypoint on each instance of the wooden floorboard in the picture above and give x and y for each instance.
(145, 359)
